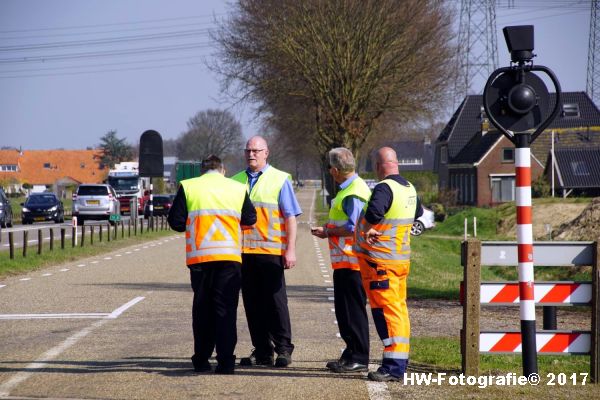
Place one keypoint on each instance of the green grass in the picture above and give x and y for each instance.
(442, 353)
(34, 261)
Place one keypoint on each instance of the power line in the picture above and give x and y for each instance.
(67, 67)
(103, 41)
(112, 24)
(108, 53)
(101, 71)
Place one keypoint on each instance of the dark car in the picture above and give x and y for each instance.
(42, 207)
(161, 205)
(6, 214)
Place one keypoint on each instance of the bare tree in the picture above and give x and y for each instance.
(210, 132)
(340, 63)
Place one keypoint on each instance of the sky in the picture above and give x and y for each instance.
(72, 70)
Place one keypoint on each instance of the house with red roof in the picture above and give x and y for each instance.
(53, 170)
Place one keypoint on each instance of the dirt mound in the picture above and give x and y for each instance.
(555, 215)
(585, 227)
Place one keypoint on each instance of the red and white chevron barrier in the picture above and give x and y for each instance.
(545, 293)
(574, 342)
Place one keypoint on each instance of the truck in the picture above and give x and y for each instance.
(186, 170)
(124, 177)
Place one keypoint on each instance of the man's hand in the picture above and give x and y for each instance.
(372, 236)
(289, 259)
(318, 231)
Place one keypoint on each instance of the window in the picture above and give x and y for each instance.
(570, 110)
(8, 167)
(508, 154)
(579, 168)
(410, 161)
(444, 155)
(503, 188)
(47, 165)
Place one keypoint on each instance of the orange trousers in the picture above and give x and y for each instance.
(385, 286)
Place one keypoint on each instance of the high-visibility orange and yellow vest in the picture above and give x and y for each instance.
(340, 247)
(268, 235)
(393, 246)
(214, 205)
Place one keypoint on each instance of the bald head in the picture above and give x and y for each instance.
(256, 153)
(386, 162)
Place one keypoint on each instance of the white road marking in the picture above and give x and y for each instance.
(338, 335)
(54, 352)
(108, 258)
(53, 316)
(47, 274)
(329, 289)
(377, 390)
(25, 279)
(64, 270)
(330, 298)
(327, 281)
(127, 252)
(325, 276)
(1, 286)
(94, 262)
(117, 255)
(81, 265)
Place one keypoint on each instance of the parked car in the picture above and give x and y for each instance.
(425, 221)
(95, 202)
(6, 214)
(161, 205)
(41, 207)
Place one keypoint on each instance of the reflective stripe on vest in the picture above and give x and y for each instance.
(393, 246)
(268, 235)
(341, 247)
(213, 230)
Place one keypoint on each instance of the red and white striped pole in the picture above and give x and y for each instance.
(525, 252)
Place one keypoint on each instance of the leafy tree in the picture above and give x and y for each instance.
(338, 65)
(210, 132)
(114, 150)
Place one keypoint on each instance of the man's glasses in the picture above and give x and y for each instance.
(255, 151)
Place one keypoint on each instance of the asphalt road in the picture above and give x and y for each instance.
(118, 326)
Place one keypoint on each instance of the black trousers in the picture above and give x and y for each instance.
(266, 305)
(350, 303)
(216, 288)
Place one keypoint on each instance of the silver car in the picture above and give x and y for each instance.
(95, 202)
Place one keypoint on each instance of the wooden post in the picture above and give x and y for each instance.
(595, 350)
(25, 237)
(73, 236)
(40, 241)
(108, 233)
(91, 235)
(100, 233)
(82, 235)
(62, 238)
(135, 227)
(471, 260)
(129, 227)
(122, 229)
(11, 245)
(51, 239)
(142, 227)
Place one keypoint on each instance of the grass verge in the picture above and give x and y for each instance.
(35, 261)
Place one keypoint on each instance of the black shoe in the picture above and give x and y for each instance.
(283, 360)
(331, 365)
(350, 367)
(254, 359)
(382, 375)
(225, 369)
(201, 366)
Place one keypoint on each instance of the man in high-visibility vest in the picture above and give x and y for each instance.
(210, 210)
(268, 249)
(382, 244)
(350, 299)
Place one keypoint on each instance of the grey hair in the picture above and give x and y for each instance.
(342, 159)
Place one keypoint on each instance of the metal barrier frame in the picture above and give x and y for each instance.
(475, 253)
